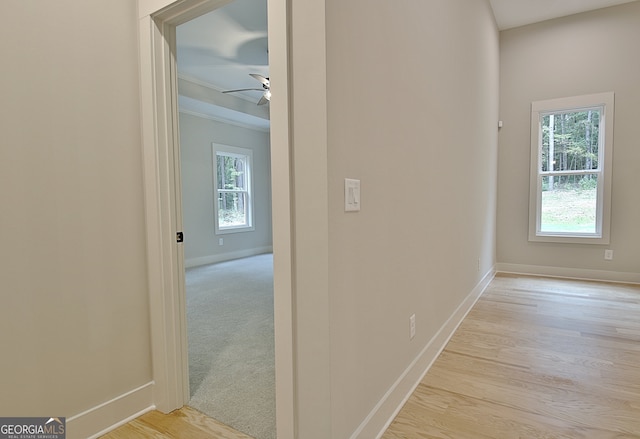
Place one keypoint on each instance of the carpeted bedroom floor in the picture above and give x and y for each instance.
(231, 343)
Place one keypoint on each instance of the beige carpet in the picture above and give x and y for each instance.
(231, 343)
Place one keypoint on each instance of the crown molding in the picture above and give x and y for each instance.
(223, 120)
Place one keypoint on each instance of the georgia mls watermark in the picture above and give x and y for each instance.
(33, 428)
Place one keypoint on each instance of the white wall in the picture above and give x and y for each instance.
(201, 243)
(74, 319)
(412, 111)
(581, 54)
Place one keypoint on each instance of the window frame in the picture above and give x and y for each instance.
(605, 102)
(247, 154)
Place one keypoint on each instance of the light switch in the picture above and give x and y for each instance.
(351, 195)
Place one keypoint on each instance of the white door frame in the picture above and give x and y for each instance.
(157, 22)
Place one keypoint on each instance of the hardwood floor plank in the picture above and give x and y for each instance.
(185, 423)
(535, 358)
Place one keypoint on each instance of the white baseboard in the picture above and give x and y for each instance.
(570, 273)
(379, 419)
(212, 259)
(109, 415)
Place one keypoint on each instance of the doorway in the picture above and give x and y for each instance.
(158, 22)
(222, 66)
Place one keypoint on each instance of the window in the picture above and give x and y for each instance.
(232, 169)
(570, 188)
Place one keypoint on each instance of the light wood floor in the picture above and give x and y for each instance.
(535, 358)
(185, 423)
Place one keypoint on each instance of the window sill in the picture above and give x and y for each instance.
(239, 229)
(573, 239)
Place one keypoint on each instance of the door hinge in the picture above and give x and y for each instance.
(180, 237)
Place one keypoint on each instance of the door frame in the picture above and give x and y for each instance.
(161, 158)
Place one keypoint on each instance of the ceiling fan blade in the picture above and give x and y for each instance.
(265, 88)
(264, 81)
(243, 89)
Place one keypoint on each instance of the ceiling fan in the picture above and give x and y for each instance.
(266, 96)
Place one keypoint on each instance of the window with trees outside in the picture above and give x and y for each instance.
(232, 178)
(571, 151)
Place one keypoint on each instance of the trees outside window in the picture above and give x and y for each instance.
(232, 179)
(571, 148)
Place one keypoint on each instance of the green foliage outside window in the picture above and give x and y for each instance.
(232, 190)
(570, 143)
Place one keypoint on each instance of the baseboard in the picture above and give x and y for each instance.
(221, 257)
(570, 273)
(379, 419)
(109, 415)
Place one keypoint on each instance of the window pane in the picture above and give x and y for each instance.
(569, 204)
(570, 140)
(232, 209)
(231, 172)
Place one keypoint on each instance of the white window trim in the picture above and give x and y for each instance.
(233, 150)
(603, 216)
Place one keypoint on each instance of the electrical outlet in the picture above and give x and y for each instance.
(220, 241)
(608, 255)
(412, 326)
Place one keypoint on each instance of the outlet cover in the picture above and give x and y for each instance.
(608, 255)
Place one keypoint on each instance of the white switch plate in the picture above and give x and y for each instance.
(351, 195)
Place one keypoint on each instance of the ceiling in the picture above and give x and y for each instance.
(514, 13)
(220, 49)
